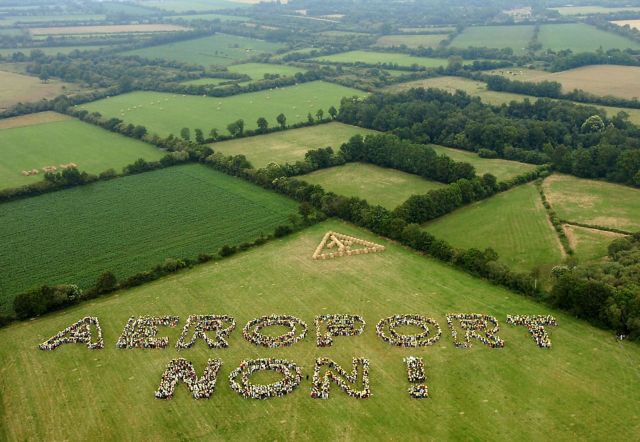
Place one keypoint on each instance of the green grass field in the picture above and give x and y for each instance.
(411, 41)
(378, 185)
(479, 89)
(218, 49)
(594, 202)
(499, 37)
(220, 17)
(589, 244)
(192, 5)
(501, 169)
(94, 150)
(584, 388)
(50, 50)
(584, 10)
(257, 71)
(168, 113)
(580, 37)
(289, 146)
(129, 225)
(370, 57)
(206, 81)
(513, 223)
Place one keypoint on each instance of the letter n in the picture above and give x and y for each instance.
(348, 382)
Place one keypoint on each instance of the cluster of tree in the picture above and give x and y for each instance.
(576, 139)
(388, 150)
(606, 293)
(612, 56)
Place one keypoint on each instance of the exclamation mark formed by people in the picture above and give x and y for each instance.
(416, 375)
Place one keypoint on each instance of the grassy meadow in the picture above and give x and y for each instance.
(93, 149)
(589, 244)
(206, 81)
(257, 71)
(166, 114)
(129, 225)
(291, 145)
(597, 203)
(520, 392)
(501, 169)
(580, 37)
(106, 29)
(499, 37)
(218, 49)
(378, 185)
(370, 57)
(411, 41)
(17, 88)
(513, 223)
(191, 5)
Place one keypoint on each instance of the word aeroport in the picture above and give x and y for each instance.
(142, 333)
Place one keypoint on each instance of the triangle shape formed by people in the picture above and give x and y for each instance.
(336, 245)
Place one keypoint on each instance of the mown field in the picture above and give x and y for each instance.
(370, 57)
(584, 388)
(291, 145)
(92, 149)
(378, 185)
(501, 169)
(17, 88)
(411, 41)
(618, 81)
(594, 202)
(580, 37)
(479, 89)
(589, 244)
(635, 24)
(500, 37)
(106, 29)
(513, 223)
(168, 113)
(218, 49)
(129, 225)
(257, 71)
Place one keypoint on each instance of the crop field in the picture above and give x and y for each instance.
(589, 244)
(257, 71)
(635, 24)
(501, 169)
(370, 57)
(479, 89)
(580, 37)
(166, 114)
(92, 149)
(218, 49)
(515, 393)
(291, 145)
(16, 88)
(593, 202)
(513, 223)
(585, 10)
(378, 185)
(129, 225)
(107, 29)
(619, 81)
(499, 37)
(411, 41)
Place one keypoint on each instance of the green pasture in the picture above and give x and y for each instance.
(389, 58)
(516, 37)
(580, 37)
(257, 71)
(192, 5)
(50, 50)
(206, 81)
(513, 223)
(92, 149)
(166, 114)
(589, 244)
(220, 17)
(584, 388)
(129, 225)
(378, 185)
(291, 145)
(411, 41)
(218, 49)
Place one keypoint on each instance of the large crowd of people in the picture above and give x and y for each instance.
(291, 373)
(476, 326)
(335, 373)
(78, 333)
(337, 325)
(416, 373)
(423, 339)
(252, 332)
(141, 332)
(183, 370)
(535, 324)
(221, 325)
